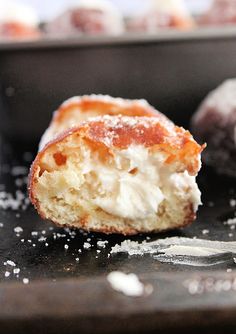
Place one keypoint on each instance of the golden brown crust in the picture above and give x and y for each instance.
(84, 225)
(121, 132)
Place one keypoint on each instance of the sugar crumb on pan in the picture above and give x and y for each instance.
(128, 284)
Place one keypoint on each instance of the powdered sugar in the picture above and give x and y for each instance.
(25, 280)
(179, 250)
(18, 229)
(211, 284)
(107, 99)
(102, 244)
(128, 284)
(14, 202)
(231, 222)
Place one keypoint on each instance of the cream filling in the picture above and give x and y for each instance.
(139, 196)
(132, 187)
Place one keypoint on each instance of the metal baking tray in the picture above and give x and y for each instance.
(172, 70)
(64, 295)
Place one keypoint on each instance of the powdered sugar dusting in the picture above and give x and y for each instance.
(122, 131)
(198, 285)
(230, 221)
(107, 99)
(128, 284)
(16, 201)
(180, 250)
(190, 251)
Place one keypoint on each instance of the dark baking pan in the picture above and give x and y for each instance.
(173, 71)
(67, 295)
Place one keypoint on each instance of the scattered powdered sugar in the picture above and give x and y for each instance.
(102, 244)
(132, 248)
(232, 202)
(189, 251)
(7, 273)
(18, 229)
(128, 284)
(25, 280)
(16, 271)
(230, 221)
(180, 250)
(10, 263)
(87, 245)
(198, 285)
(193, 256)
(11, 268)
(17, 201)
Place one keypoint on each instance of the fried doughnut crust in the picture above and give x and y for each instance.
(81, 108)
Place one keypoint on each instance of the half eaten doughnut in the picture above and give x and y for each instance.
(117, 174)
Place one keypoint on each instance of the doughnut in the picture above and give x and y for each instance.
(18, 21)
(88, 17)
(118, 174)
(215, 123)
(221, 12)
(162, 14)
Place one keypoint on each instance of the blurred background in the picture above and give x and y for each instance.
(40, 18)
(170, 52)
(48, 9)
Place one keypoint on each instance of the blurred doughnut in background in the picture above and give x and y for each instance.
(90, 17)
(30, 19)
(162, 14)
(221, 12)
(18, 21)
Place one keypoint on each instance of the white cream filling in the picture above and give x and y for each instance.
(137, 196)
(131, 187)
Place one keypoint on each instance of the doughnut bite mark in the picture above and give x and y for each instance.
(117, 174)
